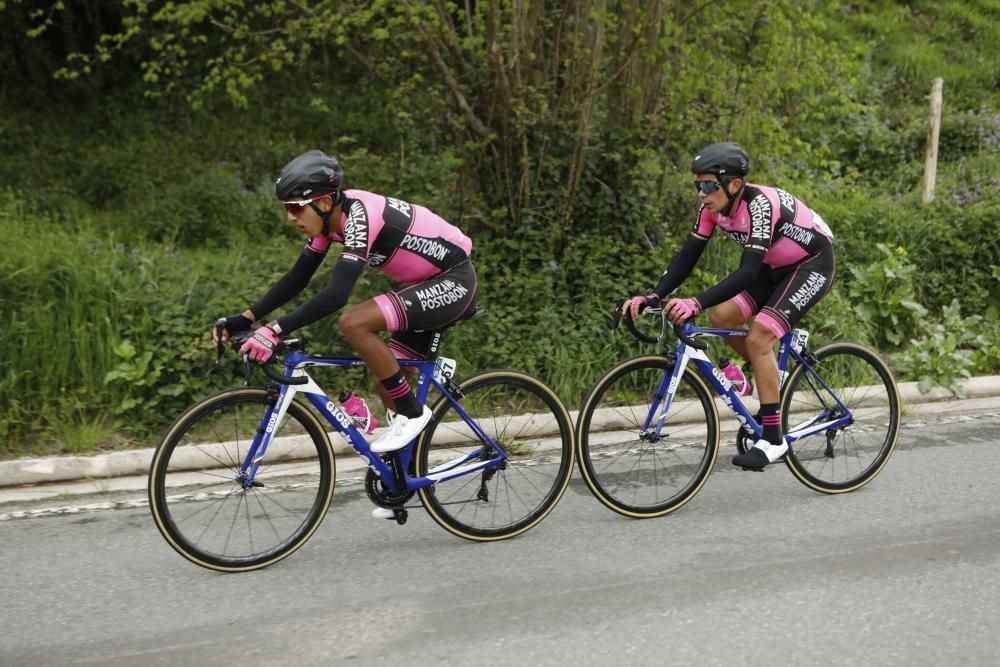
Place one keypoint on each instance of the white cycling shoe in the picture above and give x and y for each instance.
(383, 513)
(401, 431)
(761, 454)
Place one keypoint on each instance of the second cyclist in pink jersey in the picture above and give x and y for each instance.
(786, 267)
(427, 256)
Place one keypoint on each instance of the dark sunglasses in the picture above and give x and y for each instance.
(296, 207)
(707, 187)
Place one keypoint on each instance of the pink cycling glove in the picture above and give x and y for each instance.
(680, 310)
(261, 345)
(637, 304)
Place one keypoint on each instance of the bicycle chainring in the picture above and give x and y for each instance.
(382, 496)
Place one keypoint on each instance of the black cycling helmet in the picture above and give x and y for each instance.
(310, 175)
(726, 159)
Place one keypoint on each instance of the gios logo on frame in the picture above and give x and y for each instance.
(729, 401)
(338, 416)
(723, 380)
(271, 422)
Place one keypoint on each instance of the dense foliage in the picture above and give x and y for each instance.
(141, 139)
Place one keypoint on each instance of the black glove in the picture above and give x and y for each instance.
(230, 325)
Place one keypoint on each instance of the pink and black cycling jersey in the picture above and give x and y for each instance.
(787, 264)
(407, 242)
(773, 222)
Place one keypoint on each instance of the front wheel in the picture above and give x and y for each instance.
(845, 380)
(205, 508)
(628, 465)
(525, 419)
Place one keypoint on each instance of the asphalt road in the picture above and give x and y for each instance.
(756, 570)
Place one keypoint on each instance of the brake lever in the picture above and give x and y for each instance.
(617, 318)
(220, 345)
(247, 368)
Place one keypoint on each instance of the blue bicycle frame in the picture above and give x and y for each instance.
(295, 365)
(792, 345)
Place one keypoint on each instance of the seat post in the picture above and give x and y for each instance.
(435, 346)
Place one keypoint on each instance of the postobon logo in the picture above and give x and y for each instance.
(803, 236)
(444, 294)
(804, 294)
(424, 246)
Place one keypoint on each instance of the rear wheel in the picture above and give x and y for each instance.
(844, 378)
(200, 503)
(635, 471)
(529, 423)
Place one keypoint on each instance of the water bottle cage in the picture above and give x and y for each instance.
(453, 388)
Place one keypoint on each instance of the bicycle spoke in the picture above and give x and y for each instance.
(646, 472)
(264, 523)
(854, 451)
(514, 412)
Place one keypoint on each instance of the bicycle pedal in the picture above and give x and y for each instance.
(753, 469)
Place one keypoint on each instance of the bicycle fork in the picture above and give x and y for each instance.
(269, 423)
(664, 393)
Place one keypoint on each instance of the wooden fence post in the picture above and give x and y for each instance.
(930, 159)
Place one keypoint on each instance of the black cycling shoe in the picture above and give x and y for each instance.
(762, 454)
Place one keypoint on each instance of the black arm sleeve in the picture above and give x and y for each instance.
(680, 266)
(328, 300)
(289, 285)
(735, 282)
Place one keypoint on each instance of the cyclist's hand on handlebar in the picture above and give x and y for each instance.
(260, 346)
(230, 325)
(681, 310)
(634, 306)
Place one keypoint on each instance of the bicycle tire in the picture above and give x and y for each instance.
(524, 417)
(622, 468)
(194, 490)
(847, 458)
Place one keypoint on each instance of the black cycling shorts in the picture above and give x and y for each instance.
(413, 313)
(780, 297)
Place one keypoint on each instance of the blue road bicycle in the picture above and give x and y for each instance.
(648, 431)
(244, 477)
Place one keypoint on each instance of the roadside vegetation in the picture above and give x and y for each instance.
(141, 140)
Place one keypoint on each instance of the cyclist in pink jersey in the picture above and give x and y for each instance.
(426, 255)
(786, 267)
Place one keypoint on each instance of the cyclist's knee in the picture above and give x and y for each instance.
(351, 321)
(726, 316)
(360, 319)
(760, 340)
